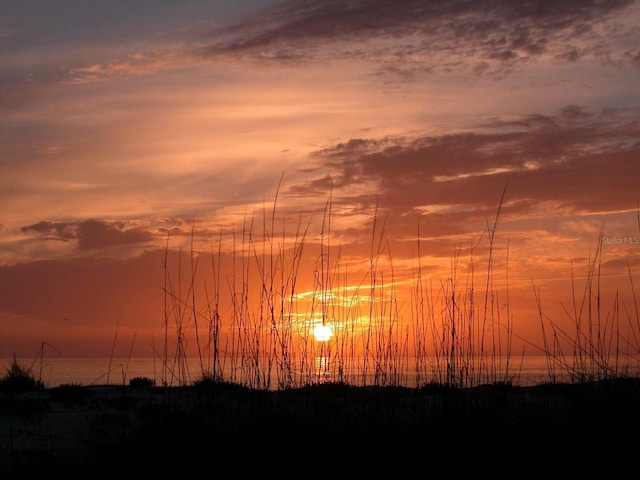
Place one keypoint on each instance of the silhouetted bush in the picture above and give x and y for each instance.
(19, 379)
(141, 382)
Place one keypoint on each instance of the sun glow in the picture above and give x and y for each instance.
(322, 333)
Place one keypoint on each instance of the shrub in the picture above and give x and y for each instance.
(141, 382)
(19, 379)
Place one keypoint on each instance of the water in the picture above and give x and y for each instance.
(55, 371)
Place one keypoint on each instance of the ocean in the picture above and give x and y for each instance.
(56, 371)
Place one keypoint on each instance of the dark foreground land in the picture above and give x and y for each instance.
(324, 431)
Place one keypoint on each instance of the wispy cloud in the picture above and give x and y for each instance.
(418, 35)
(136, 65)
(401, 39)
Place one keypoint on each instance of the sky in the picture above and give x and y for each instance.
(447, 140)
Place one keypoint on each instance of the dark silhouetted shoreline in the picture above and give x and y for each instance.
(321, 431)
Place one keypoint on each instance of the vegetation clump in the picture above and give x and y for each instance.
(141, 382)
(19, 379)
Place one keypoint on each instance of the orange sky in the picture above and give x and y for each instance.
(121, 125)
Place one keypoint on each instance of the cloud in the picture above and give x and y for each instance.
(53, 230)
(92, 233)
(402, 38)
(580, 161)
(296, 20)
(421, 35)
(138, 64)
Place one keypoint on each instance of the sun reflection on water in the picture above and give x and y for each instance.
(321, 364)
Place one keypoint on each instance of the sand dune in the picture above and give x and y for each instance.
(319, 431)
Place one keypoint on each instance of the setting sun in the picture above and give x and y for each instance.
(322, 333)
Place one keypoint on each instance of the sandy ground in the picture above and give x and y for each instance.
(319, 432)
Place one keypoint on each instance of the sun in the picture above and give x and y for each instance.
(322, 333)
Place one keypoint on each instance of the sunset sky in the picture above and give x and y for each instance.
(130, 127)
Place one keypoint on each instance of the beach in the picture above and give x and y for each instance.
(319, 431)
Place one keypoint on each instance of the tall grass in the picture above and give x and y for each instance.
(458, 335)
(601, 344)
(459, 331)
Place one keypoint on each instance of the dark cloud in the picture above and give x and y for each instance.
(96, 234)
(295, 20)
(426, 33)
(583, 161)
(402, 38)
(54, 230)
(92, 233)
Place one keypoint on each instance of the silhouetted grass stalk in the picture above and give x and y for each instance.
(264, 339)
